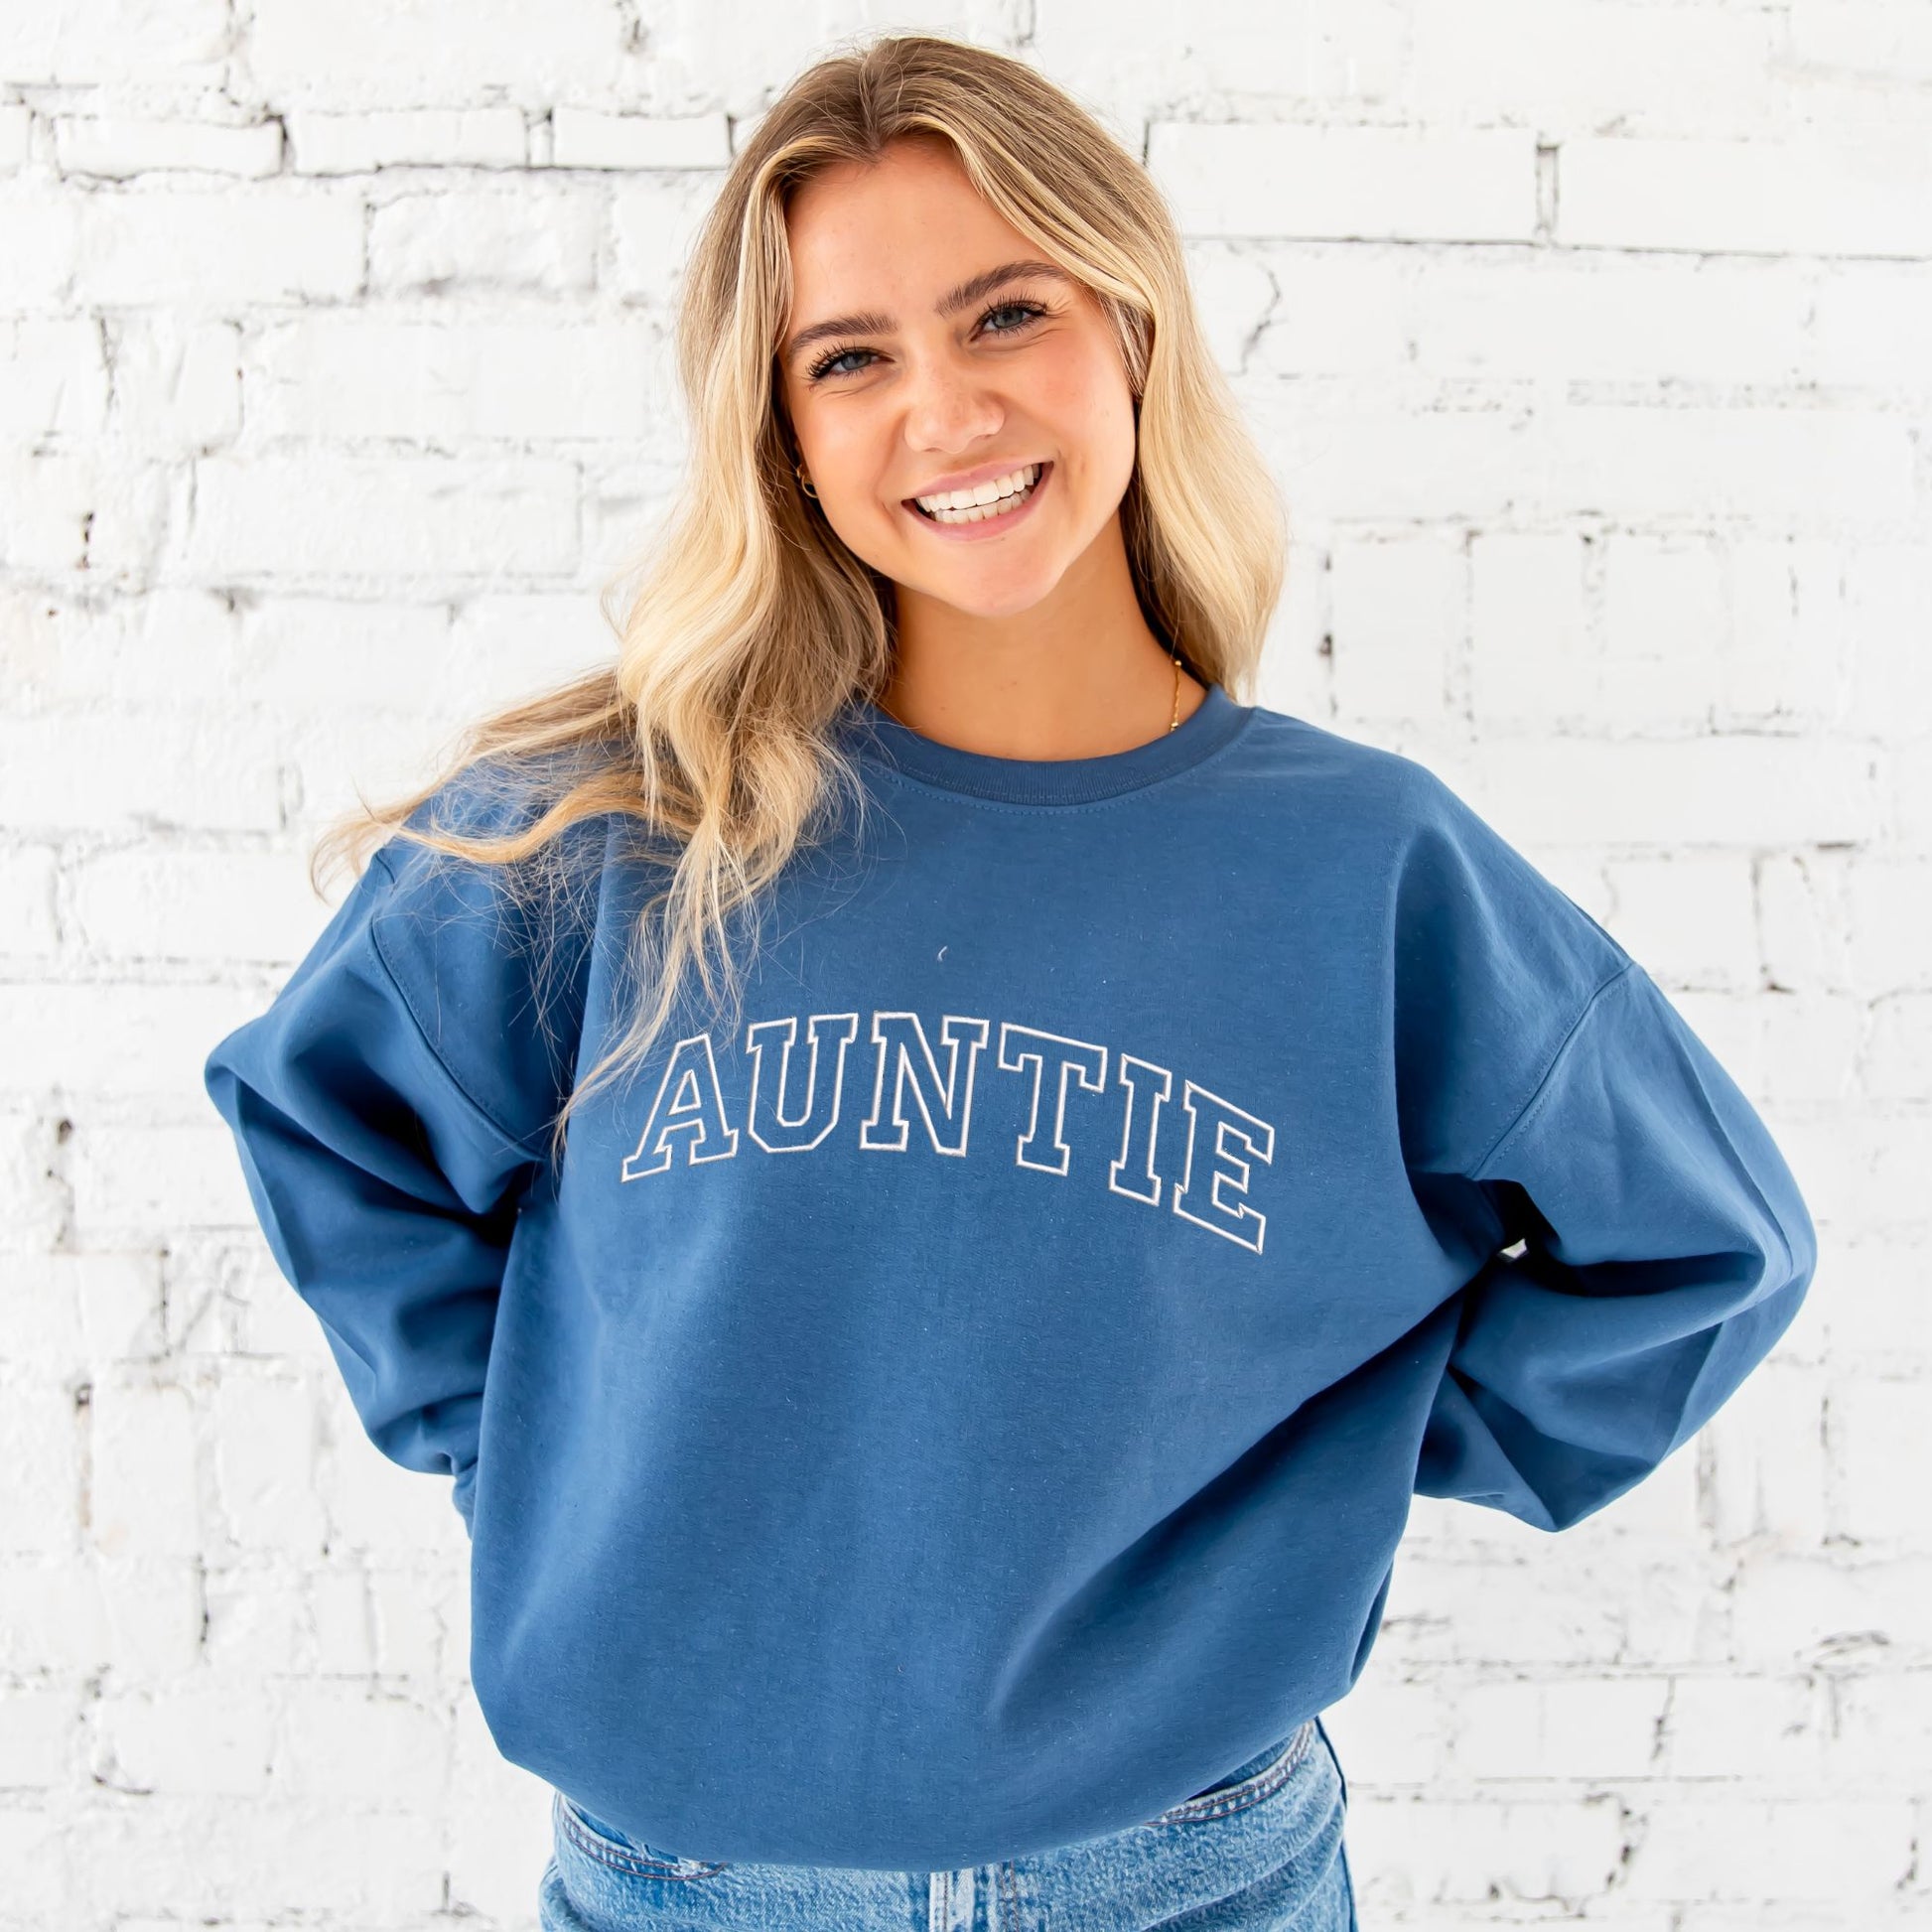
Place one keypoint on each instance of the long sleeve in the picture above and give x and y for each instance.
(388, 1110)
(1636, 1241)
(1664, 1249)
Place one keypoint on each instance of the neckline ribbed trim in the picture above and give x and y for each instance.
(880, 738)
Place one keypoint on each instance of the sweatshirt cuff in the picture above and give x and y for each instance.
(464, 1495)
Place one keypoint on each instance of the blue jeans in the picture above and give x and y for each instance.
(1260, 1850)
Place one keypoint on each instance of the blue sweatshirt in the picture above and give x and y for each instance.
(973, 1401)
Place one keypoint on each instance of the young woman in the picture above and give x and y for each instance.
(938, 1178)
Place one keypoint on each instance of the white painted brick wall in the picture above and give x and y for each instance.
(1591, 340)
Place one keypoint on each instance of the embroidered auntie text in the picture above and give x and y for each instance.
(1216, 1140)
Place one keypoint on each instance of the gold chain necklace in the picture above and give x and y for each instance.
(1174, 722)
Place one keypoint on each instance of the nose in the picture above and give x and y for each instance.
(949, 408)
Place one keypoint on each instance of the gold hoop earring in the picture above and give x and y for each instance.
(800, 470)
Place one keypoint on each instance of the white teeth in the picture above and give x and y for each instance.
(972, 505)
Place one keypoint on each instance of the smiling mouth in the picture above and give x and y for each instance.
(1036, 474)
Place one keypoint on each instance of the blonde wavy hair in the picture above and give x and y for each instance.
(751, 626)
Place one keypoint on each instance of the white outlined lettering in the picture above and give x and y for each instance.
(767, 1125)
(696, 1110)
(897, 1034)
(1088, 1063)
(1229, 1123)
(1211, 1191)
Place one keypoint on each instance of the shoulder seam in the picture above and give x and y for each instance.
(515, 1142)
(1523, 1112)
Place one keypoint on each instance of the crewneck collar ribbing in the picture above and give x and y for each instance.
(880, 738)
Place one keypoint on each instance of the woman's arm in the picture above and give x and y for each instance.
(389, 1109)
(1665, 1248)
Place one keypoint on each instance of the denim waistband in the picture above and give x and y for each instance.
(1260, 1760)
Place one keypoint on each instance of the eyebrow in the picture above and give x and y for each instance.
(873, 322)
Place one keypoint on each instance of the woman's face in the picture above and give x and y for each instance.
(947, 368)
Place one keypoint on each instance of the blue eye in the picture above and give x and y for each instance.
(1030, 310)
(837, 356)
(1029, 313)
